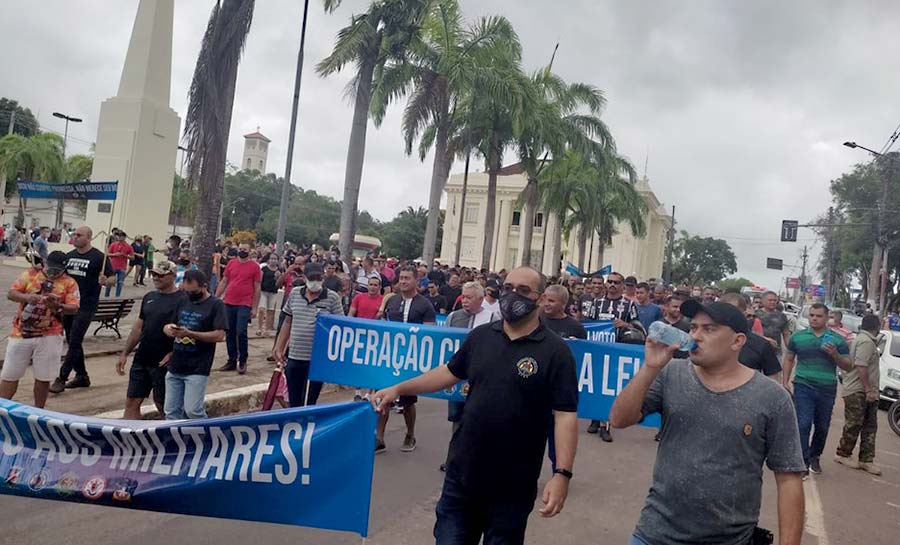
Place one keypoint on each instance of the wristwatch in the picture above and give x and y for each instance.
(564, 472)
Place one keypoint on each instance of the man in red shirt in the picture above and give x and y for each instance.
(366, 305)
(119, 254)
(241, 286)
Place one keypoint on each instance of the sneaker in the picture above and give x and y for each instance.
(241, 367)
(79, 382)
(870, 468)
(270, 358)
(58, 386)
(229, 366)
(443, 468)
(846, 461)
(379, 446)
(605, 435)
(814, 465)
(409, 444)
(805, 475)
(656, 437)
(594, 426)
(357, 397)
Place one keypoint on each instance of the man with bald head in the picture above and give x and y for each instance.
(522, 380)
(89, 267)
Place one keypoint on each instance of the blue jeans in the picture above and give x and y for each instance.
(184, 396)
(120, 281)
(463, 518)
(813, 406)
(635, 540)
(236, 337)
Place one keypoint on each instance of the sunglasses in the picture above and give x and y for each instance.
(614, 282)
(521, 289)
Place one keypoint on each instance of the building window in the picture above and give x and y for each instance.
(471, 215)
(248, 164)
(251, 144)
(538, 219)
(260, 166)
(262, 146)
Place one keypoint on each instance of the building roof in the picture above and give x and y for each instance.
(257, 135)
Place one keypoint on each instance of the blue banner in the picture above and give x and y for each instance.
(378, 354)
(600, 331)
(96, 191)
(304, 467)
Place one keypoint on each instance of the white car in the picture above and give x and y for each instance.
(890, 368)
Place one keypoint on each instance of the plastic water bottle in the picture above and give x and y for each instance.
(669, 335)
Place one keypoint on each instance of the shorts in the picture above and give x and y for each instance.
(42, 353)
(142, 380)
(268, 300)
(407, 401)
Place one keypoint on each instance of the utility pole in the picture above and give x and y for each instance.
(805, 257)
(830, 272)
(286, 184)
(669, 250)
(462, 210)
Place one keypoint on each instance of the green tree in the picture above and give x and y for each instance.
(183, 206)
(208, 120)
(39, 157)
(552, 120)
(441, 75)
(25, 124)
(733, 285)
(312, 219)
(384, 32)
(701, 260)
(403, 235)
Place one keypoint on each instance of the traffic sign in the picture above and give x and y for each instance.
(789, 230)
(773, 263)
(792, 283)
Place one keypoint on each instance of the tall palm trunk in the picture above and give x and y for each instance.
(356, 154)
(440, 171)
(489, 221)
(462, 208)
(526, 224)
(582, 247)
(211, 187)
(556, 242)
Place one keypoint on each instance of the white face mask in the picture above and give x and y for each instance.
(314, 286)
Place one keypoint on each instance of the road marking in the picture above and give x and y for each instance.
(893, 505)
(889, 453)
(815, 518)
(882, 481)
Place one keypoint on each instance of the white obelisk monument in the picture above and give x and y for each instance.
(137, 138)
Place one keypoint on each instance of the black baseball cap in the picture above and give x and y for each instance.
(312, 268)
(720, 313)
(630, 281)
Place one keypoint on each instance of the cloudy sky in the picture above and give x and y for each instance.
(741, 107)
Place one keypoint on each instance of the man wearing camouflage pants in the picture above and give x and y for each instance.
(861, 399)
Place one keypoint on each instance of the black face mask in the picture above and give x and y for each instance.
(514, 307)
(184, 262)
(195, 296)
(243, 254)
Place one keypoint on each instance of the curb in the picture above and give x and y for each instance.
(235, 401)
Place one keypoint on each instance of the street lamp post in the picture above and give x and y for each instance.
(59, 204)
(286, 183)
(878, 261)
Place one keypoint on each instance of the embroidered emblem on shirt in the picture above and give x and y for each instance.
(748, 429)
(527, 366)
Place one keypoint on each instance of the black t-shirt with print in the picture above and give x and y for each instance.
(514, 386)
(157, 310)
(420, 311)
(267, 282)
(190, 356)
(85, 269)
(566, 327)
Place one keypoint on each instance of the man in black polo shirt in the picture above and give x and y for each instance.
(757, 353)
(519, 374)
(553, 307)
(88, 266)
(409, 307)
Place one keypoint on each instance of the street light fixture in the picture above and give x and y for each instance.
(59, 204)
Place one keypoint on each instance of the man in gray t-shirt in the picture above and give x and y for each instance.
(721, 422)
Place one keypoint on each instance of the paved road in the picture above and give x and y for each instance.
(845, 506)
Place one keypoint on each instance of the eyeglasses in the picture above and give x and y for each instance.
(614, 282)
(521, 289)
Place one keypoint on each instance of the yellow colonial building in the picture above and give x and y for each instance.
(628, 254)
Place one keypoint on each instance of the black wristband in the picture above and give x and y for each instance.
(564, 472)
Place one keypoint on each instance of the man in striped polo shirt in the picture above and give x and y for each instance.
(300, 310)
(817, 352)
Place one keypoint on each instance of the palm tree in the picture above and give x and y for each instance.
(550, 122)
(39, 157)
(208, 121)
(384, 32)
(559, 187)
(444, 70)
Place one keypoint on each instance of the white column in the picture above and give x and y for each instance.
(498, 260)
